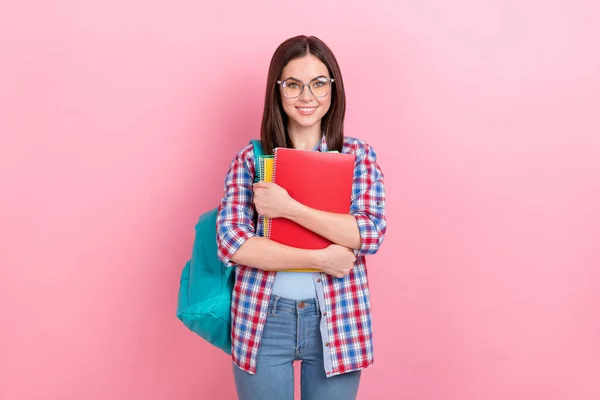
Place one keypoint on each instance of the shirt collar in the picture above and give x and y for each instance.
(322, 145)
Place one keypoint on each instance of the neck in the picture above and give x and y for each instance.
(305, 137)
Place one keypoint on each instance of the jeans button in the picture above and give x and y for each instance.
(302, 304)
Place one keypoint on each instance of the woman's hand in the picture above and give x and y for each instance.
(336, 260)
(272, 201)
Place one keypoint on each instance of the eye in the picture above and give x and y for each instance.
(320, 82)
(291, 84)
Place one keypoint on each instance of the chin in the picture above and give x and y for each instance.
(306, 124)
(308, 121)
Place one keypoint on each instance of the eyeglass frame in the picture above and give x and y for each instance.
(306, 84)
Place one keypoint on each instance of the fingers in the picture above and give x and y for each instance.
(261, 185)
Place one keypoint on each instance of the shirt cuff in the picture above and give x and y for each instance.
(369, 235)
(231, 242)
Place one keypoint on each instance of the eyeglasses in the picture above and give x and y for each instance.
(319, 87)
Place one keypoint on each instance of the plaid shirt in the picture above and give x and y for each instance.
(347, 304)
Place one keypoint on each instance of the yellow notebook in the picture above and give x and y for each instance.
(266, 174)
(267, 167)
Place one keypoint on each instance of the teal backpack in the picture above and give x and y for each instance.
(204, 300)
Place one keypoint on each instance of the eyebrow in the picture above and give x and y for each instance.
(300, 80)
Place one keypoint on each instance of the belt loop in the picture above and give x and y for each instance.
(274, 307)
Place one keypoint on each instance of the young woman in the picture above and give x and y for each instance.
(321, 318)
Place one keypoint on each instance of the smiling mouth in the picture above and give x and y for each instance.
(306, 110)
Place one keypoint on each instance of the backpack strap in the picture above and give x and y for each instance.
(258, 151)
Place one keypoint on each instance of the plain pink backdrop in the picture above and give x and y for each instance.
(485, 117)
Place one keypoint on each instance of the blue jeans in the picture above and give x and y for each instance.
(292, 333)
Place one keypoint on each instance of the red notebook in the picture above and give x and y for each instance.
(320, 180)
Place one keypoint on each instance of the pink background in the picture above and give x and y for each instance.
(485, 117)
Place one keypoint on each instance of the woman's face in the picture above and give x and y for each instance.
(306, 110)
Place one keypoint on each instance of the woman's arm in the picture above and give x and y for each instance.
(269, 255)
(338, 228)
(263, 253)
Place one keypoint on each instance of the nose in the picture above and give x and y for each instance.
(306, 93)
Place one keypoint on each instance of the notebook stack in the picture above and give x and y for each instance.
(320, 180)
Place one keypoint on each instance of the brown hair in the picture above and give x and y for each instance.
(273, 131)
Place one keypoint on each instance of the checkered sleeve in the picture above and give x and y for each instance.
(368, 200)
(235, 218)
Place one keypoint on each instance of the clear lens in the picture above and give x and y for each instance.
(292, 88)
(320, 87)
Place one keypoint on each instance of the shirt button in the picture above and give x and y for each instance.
(319, 280)
(327, 344)
(324, 312)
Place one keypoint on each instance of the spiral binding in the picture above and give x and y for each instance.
(274, 162)
(263, 176)
(269, 225)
